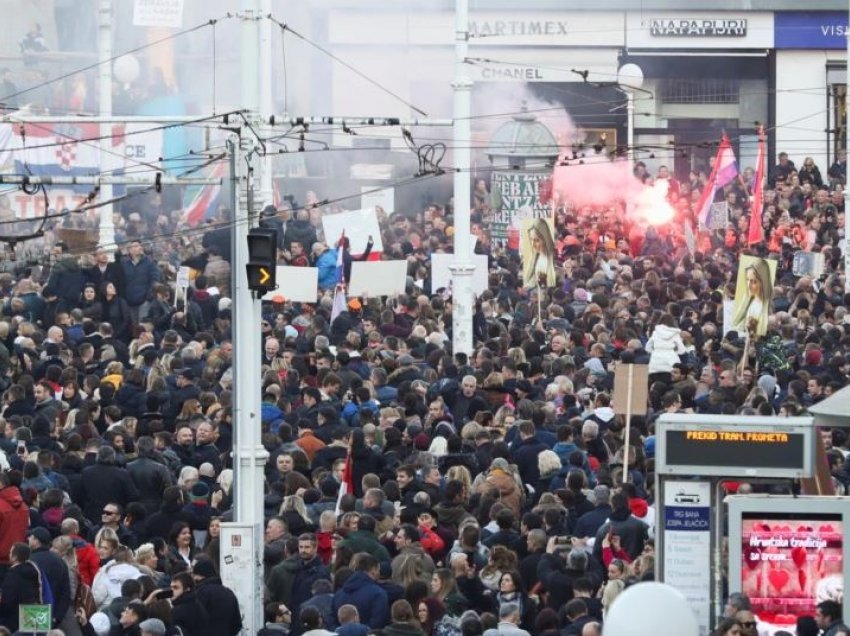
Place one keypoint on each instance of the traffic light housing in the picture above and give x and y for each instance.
(262, 259)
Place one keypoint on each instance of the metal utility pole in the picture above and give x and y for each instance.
(106, 239)
(462, 267)
(245, 573)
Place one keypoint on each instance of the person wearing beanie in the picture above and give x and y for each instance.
(220, 603)
(152, 627)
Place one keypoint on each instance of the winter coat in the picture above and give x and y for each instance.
(633, 534)
(66, 281)
(225, 617)
(301, 231)
(104, 483)
(14, 520)
(664, 345)
(509, 492)
(21, 586)
(54, 568)
(150, 478)
(367, 596)
(366, 541)
(291, 581)
(108, 581)
(117, 313)
(88, 560)
(139, 279)
(525, 453)
(189, 615)
(326, 264)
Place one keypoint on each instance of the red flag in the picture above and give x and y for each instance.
(755, 234)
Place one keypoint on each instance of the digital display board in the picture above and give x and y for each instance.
(789, 564)
(735, 446)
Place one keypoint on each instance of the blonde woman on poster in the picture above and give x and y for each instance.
(538, 253)
(753, 295)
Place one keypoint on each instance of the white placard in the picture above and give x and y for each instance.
(158, 13)
(239, 569)
(687, 544)
(371, 198)
(728, 304)
(378, 278)
(183, 276)
(441, 276)
(296, 284)
(358, 225)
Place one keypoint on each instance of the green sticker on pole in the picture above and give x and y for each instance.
(34, 618)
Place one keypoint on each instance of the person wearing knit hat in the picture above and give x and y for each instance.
(152, 627)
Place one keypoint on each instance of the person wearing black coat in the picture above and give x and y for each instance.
(105, 482)
(53, 567)
(220, 603)
(116, 312)
(187, 613)
(159, 524)
(104, 271)
(149, 474)
(526, 451)
(21, 586)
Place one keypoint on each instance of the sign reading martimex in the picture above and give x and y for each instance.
(717, 28)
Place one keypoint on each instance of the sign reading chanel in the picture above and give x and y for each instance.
(719, 28)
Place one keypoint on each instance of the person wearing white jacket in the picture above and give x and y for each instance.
(107, 582)
(664, 346)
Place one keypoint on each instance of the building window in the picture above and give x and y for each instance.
(700, 91)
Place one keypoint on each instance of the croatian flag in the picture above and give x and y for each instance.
(51, 150)
(202, 202)
(755, 233)
(339, 291)
(722, 174)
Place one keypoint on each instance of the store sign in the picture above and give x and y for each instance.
(518, 73)
(811, 30)
(716, 30)
(687, 544)
(687, 27)
(479, 28)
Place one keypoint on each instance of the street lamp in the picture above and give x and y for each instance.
(630, 79)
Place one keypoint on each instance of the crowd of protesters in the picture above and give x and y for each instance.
(488, 492)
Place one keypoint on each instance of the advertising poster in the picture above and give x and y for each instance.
(516, 197)
(537, 251)
(790, 564)
(687, 544)
(753, 295)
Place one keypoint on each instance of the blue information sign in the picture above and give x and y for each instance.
(810, 30)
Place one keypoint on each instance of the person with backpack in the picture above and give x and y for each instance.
(21, 586)
(56, 583)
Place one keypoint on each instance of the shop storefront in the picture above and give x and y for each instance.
(811, 84)
(705, 72)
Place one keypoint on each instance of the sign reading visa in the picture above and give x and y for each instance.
(823, 30)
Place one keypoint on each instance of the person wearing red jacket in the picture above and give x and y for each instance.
(14, 520)
(431, 542)
(88, 560)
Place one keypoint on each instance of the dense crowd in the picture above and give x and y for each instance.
(488, 491)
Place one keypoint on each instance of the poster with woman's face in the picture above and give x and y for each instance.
(753, 295)
(537, 250)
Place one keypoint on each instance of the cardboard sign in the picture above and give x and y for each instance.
(183, 276)
(296, 284)
(378, 278)
(78, 240)
(638, 376)
(441, 275)
(358, 226)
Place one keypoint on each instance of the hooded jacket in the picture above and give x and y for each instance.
(664, 345)
(107, 582)
(14, 520)
(367, 596)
